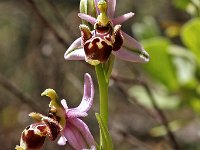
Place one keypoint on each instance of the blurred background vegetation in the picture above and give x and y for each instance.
(143, 97)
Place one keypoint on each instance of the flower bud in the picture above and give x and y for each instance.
(87, 7)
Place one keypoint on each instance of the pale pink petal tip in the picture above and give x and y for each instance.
(64, 104)
(85, 131)
(111, 8)
(96, 6)
(123, 18)
(88, 94)
(87, 100)
(87, 18)
(88, 87)
(132, 56)
(62, 141)
(132, 50)
(77, 54)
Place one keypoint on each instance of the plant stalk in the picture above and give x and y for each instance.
(103, 93)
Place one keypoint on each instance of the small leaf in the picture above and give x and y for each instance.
(160, 67)
(147, 29)
(108, 67)
(194, 103)
(190, 35)
(185, 64)
(161, 130)
(164, 100)
(181, 4)
(107, 140)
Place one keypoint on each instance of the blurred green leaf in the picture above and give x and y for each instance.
(161, 130)
(183, 59)
(190, 35)
(147, 29)
(163, 100)
(181, 4)
(195, 104)
(160, 66)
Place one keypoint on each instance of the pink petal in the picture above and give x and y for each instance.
(84, 130)
(131, 44)
(73, 136)
(64, 104)
(87, 99)
(75, 51)
(62, 140)
(77, 54)
(96, 6)
(123, 18)
(72, 113)
(87, 18)
(127, 55)
(111, 8)
(132, 50)
(88, 94)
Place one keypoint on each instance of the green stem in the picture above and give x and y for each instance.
(103, 92)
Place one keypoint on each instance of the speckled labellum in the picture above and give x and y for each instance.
(107, 37)
(99, 43)
(33, 136)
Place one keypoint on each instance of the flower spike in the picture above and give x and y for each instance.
(106, 38)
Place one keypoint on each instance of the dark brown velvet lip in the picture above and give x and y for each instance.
(96, 53)
(33, 140)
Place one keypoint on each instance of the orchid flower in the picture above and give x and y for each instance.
(96, 46)
(33, 136)
(61, 120)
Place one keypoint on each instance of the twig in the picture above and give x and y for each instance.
(160, 113)
(52, 29)
(134, 100)
(162, 117)
(60, 18)
(135, 141)
(56, 13)
(18, 93)
(46, 23)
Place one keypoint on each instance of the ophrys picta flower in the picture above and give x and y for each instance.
(61, 120)
(96, 46)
